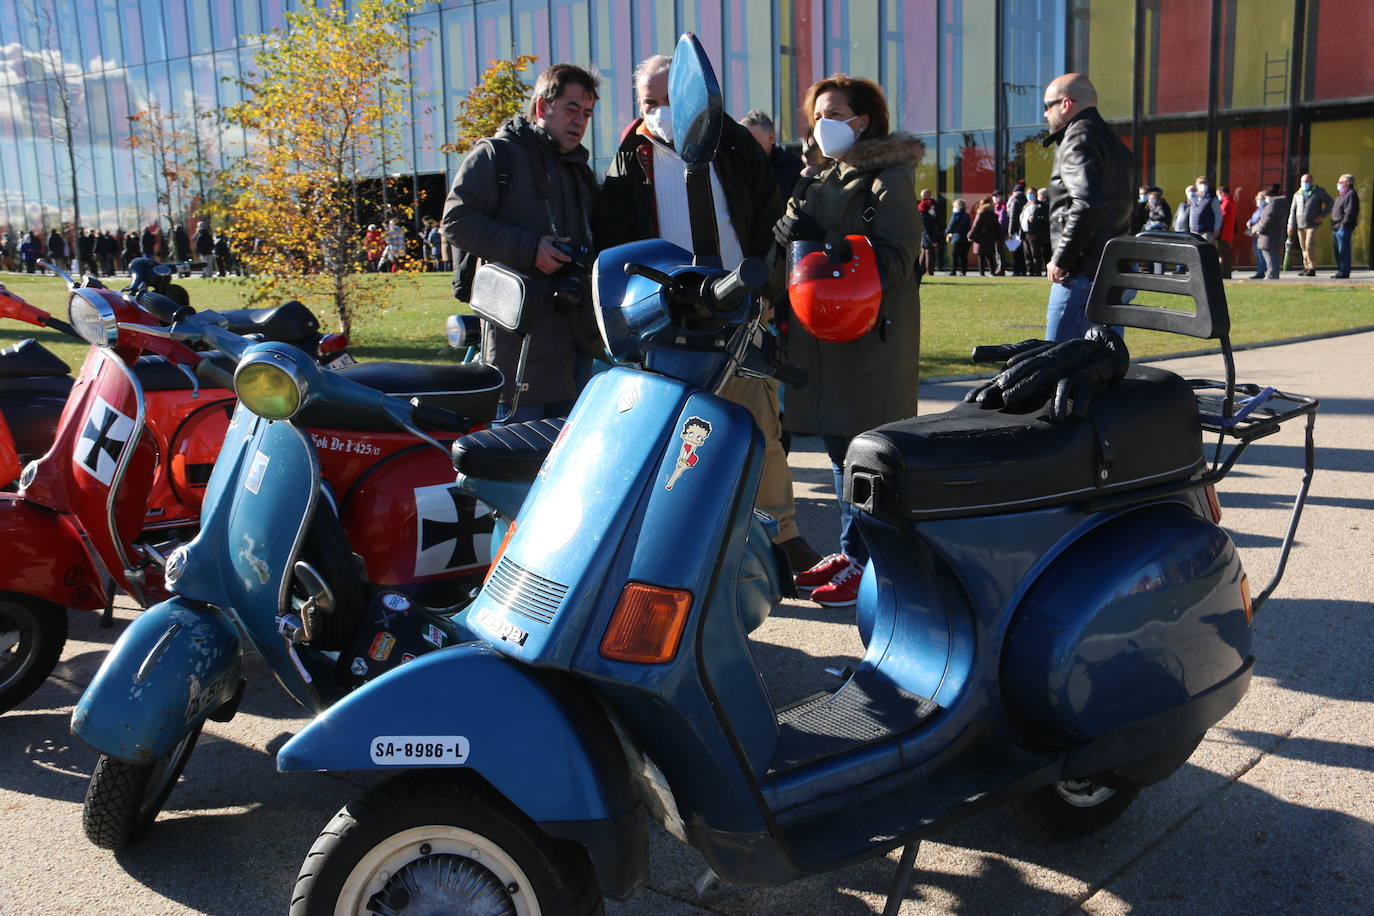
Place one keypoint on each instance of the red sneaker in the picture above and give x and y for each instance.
(822, 572)
(841, 591)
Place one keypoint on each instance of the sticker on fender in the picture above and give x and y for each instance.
(406, 750)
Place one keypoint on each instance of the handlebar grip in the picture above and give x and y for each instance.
(438, 418)
(161, 307)
(791, 376)
(214, 376)
(725, 292)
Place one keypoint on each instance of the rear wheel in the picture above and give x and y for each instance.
(1073, 808)
(32, 634)
(124, 798)
(435, 844)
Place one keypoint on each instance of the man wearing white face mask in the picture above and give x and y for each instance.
(644, 196)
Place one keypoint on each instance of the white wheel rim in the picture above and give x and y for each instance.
(401, 850)
(1082, 793)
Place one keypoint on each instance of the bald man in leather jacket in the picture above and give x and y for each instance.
(1091, 196)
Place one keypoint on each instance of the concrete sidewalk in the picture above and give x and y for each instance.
(1273, 813)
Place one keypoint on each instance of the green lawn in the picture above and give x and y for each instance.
(957, 313)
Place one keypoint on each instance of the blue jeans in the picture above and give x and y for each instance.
(1340, 238)
(1064, 319)
(851, 539)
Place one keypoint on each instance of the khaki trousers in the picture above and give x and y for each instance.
(759, 396)
(1307, 240)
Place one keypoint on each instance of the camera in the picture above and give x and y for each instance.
(569, 289)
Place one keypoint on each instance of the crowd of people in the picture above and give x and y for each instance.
(104, 254)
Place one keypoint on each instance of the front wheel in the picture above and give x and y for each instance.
(32, 634)
(124, 798)
(1073, 808)
(432, 843)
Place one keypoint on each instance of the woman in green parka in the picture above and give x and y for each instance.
(867, 188)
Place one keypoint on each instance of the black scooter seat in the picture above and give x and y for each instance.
(289, 322)
(968, 461)
(471, 390)
(514, 452)
(30, 359)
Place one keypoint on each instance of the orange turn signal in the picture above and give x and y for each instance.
(1245, 601)
(647, 624)
(1214, 504)
(496, 557)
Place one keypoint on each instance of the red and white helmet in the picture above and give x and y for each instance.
(834, 294)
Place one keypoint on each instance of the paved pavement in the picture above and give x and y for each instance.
(1273, 813)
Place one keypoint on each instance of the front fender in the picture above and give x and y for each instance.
(551, 752)
(541, 739)
(178, 662)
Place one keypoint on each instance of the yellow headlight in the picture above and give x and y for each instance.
(268, 389)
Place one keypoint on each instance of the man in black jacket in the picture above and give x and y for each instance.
(1345, 215)
(1090, 199)
(644, 196)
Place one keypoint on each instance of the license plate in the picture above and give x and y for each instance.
(409, 750)
(342, 361)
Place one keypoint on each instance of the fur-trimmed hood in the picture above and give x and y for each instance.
(897, 148)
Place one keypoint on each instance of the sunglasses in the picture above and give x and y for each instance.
(1052, 102)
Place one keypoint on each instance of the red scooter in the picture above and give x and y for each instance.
(120, 488)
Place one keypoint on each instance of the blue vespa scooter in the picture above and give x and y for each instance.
(1052, 617)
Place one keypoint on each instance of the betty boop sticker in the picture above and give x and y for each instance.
(694, 433)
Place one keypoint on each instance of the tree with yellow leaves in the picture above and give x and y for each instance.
(322, 108)
(498, 96)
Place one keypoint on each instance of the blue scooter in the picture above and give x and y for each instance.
(1052, 617)
(271, 560)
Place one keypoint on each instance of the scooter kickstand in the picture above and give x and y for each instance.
(900, 887)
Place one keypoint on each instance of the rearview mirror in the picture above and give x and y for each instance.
(697, 108)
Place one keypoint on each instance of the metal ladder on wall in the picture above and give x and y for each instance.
(1272, 137)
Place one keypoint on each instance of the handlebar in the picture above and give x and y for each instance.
(214, 376)
(723, 294)
(162, 307)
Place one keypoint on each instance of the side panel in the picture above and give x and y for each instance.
(42, 555)
(1140, 618)
(175, 664)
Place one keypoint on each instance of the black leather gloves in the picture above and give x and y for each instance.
(1071, 372)
(799, 228)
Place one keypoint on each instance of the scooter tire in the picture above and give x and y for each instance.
(326, 548)
(33, 633)
(123, 799)
(391, 831)
(1070, 809)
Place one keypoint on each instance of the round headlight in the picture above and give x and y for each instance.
(92, 318)
(268, 387)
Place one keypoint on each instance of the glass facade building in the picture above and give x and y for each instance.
(1251, 92)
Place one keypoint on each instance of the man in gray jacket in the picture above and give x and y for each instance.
(516, 199)
(1270, 231)
(1310, 206)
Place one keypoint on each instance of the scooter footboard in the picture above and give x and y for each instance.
(540, 739)
(176, 664)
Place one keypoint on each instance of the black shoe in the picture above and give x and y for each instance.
(1340, 276)
(1257, 276)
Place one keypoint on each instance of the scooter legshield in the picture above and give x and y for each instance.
(177, 663)
(44, 557)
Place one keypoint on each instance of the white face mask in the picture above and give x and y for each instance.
(834, 137)
(660, 123)
(1202, 190)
